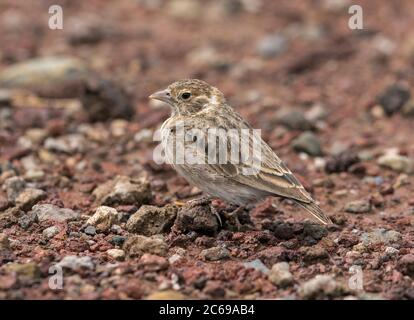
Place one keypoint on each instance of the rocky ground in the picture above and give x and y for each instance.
(81, 194)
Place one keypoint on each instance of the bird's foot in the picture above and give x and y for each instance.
(215, 212)
(232, 219)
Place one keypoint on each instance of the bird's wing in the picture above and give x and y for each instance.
(270, 174)
(263, 170)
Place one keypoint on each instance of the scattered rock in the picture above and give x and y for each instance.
(321, 286)
(315, 231)
(144, 135)
(314, 254)
(42, 75)
(199, 219)
(341, 162)
(151, 220)
(90, 230)
(122, 191)
(317, 112)
(358, 206)
(174, 258)
(76, 263)
(408, 108)
(215, 254)
(152, 262)
(256, 264)
(66, 77)
(309, 143)
(272, 255)
(14, 186)
(272, 45)
(86, 29)
(389, 253)
(25, 221)
(294, 120)
(103, 99)
(50, 232)
(117, 240)
(70, 144)
(406, 265)
(280, 275)
(49, 212)
(283, 230)
(380, 236)
(4, 242)
(166, 295)
(394, 98)
(397, 163)
(29, 197)
(137, 245)
(116, 254)
(207, 57)
(103, 218)
(184, 9)
(29, 271)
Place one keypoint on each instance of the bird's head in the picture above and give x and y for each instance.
(187, 97)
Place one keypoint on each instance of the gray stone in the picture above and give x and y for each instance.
(90, 230)
(215, 253)
(118, 240)
(394, 98)
(41, 74)
(76, 263)
(380, 236)
(151, 220)
(26, 220)
(358, 206)
(123, 190)
(70, 144)
(14, 186)
(294, 120)
(272, 45)
(50, 212)
(315, 231)
(309, 143)
(50, 232)
(256, 264)
(321, 286)
(280, 275)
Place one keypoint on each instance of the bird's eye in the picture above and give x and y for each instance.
(185, 95)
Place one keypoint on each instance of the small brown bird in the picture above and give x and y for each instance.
(199, 107)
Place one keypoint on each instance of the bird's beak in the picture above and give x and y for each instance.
(163, 95)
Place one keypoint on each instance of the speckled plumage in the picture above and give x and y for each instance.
(204, 109)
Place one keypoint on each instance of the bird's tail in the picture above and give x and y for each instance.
(315, 211)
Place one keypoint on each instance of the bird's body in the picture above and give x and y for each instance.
(242, 182)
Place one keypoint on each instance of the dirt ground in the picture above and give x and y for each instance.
(85, 212)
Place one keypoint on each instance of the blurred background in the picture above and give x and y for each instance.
(336, 104)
